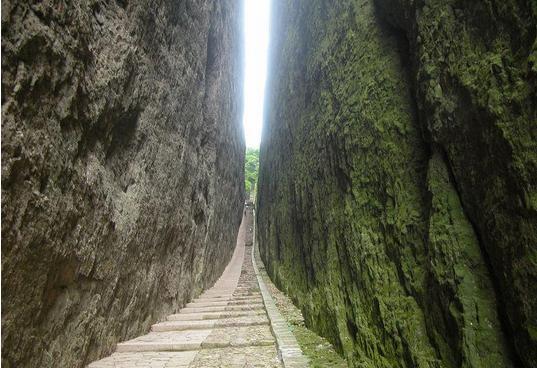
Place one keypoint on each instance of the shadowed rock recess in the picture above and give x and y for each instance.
(122, 168)
(397, 199)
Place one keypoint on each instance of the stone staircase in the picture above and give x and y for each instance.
(227, 326)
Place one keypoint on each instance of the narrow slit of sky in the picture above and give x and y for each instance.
(256, 29)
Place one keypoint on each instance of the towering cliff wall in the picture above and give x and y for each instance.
(397, 198)
(122, 168)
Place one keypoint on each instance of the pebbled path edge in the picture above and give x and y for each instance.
(289, 351)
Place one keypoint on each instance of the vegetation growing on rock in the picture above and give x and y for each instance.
(320, 353)
(398, 177)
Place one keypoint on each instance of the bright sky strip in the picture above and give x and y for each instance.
(256, 36)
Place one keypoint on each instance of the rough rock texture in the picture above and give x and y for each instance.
(397, 198)
(122, 168)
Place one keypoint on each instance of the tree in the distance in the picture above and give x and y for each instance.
(251, 168)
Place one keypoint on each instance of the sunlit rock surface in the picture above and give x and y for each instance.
(122, 168)
(397, 197)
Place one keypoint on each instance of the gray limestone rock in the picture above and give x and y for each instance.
(122, 168)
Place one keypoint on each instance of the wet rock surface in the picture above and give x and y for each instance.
(122, 169)
(397, 185)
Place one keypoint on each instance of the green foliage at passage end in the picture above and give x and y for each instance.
(251, 169)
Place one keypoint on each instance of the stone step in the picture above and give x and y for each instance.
(219, 291)
(221, 298)
(199, 339)
(157, 359)
(213, 315)
(253, 320)
(216, 303)
(215, 296)
(165, 341)
(245, 294)
(253, 300)
(234, 357)
(207, 304)
(250, 295)
(240, 336)
(183, 325)
(244, 307)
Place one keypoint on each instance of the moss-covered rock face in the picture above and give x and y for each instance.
(397, 198)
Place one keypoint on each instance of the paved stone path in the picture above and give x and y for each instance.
(227, 326)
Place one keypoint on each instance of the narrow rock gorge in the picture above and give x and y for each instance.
(122, 168)
(397, 194)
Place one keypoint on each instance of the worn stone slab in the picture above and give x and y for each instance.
(165, 341)
(183, 325)
(228, 298)
(213, 315)
(217, 338)
(218, 292)
(252, 320)
(252, 300)
(244, 307)
(207, 304)
(166, 359)
(240, 336)
(238, 357)
(216, 303)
